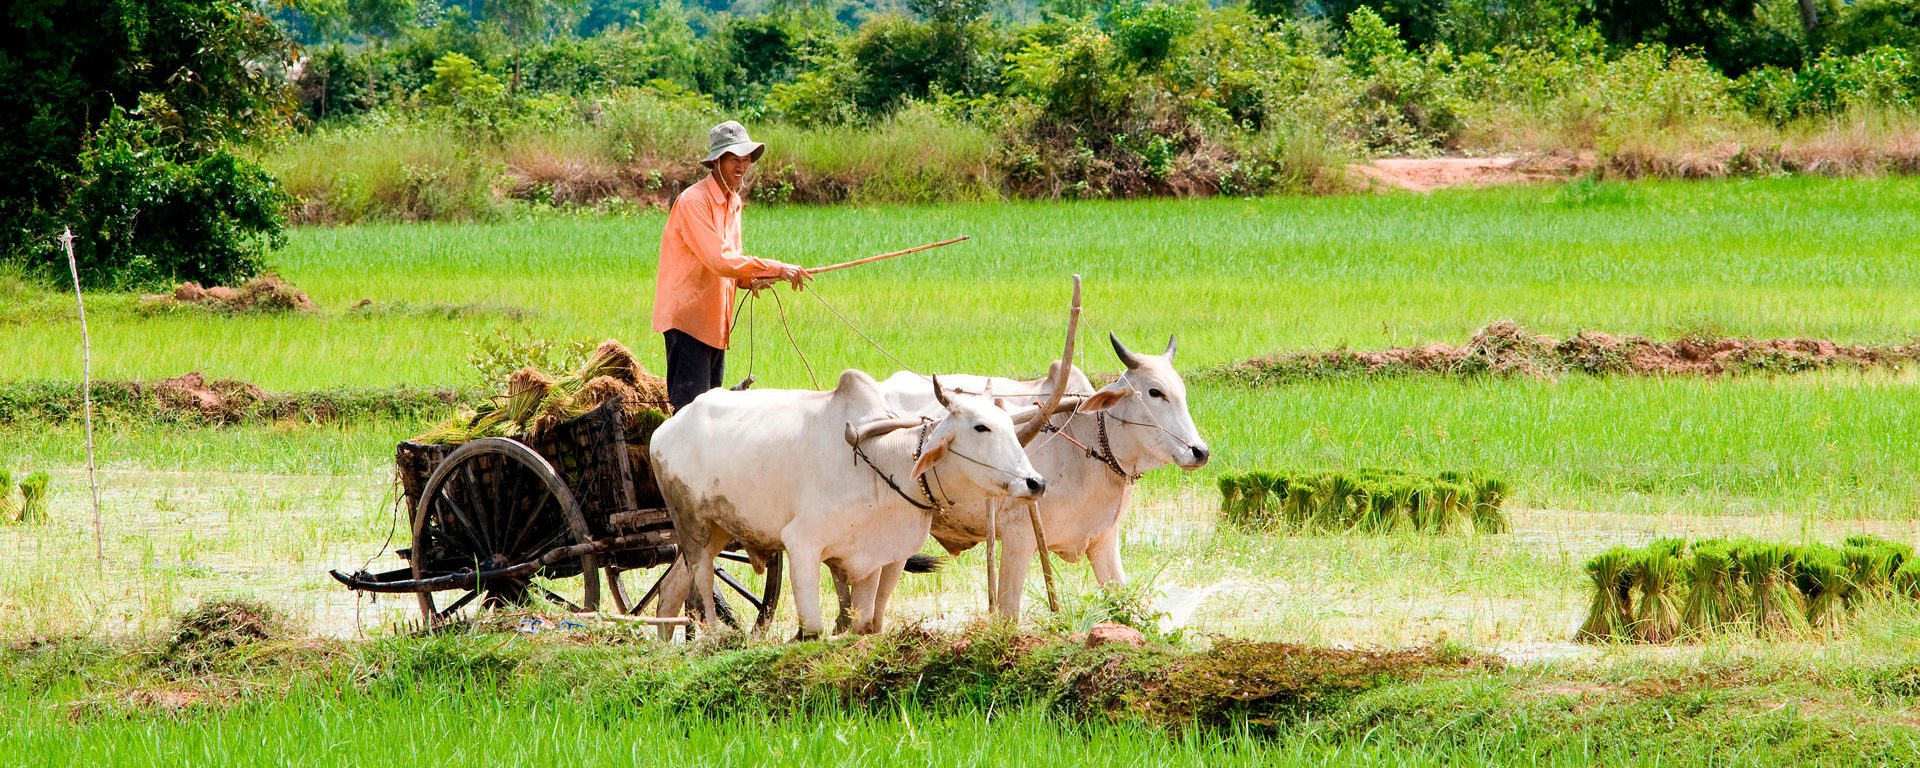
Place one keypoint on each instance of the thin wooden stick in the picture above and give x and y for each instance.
(86, 393)
(993, 574)
(1046, 564)
(885, 256)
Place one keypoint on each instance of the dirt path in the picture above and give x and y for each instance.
(1428, 174)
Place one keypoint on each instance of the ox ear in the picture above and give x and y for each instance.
(932, 456)
(1172, 342)
(1102, 400)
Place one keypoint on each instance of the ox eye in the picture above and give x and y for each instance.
(1156, 393)
(981, 428)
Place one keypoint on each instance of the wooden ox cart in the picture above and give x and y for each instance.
(493, 518)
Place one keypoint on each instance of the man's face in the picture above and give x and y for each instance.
(732, 169)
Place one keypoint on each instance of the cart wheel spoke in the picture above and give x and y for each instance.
(484, 502)
(737, 586)
(459, 604)
(556, 599)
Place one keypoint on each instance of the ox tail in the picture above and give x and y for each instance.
(925, 563)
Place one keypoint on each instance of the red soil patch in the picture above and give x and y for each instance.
(1428, 174)
(1506, 348)
(266, 293)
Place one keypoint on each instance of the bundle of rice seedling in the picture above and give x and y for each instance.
(33, 498)
(527, 388)
(1610, 615)
(8, 510)
(1301, 493)
(1906, 581)
(1454, 501)
(1489, 494)
(1709, 605)
(1821, 576)
(1377, 506)
(1338, 510)
(1657, 620)
(1869, 568)
(1772, 603)
(612, 358)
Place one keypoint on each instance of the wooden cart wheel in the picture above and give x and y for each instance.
(764, 604)
(493, 503)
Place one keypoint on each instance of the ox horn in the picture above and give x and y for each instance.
(1127, 356)
(1031, 429)
(877, 427)
(1068, 403)
(940, 394)
(1173, 340)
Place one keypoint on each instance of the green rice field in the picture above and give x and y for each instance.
(263, 510)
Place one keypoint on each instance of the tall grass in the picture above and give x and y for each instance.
(1235, 278)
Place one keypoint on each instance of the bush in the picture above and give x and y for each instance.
(143, 219)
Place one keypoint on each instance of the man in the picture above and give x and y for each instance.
(701, 264)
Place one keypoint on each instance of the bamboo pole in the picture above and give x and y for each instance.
(885, 256)
(86, 393)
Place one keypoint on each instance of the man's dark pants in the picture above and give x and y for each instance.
(692, 368)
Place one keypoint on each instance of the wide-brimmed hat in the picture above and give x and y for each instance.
(730, 138)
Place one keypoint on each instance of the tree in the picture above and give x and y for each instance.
(195, 74)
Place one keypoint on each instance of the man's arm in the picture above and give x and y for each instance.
(704, 240)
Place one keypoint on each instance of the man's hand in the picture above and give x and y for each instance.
(793, 275)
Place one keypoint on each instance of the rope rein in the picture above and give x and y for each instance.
(931, 504)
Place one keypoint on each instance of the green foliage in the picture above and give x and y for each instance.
(143, 218)
(1731, 33)
(1878, 78)
(1147, 31)
(899, 58)
(195, 73)
(470, 96)
(1868, 24)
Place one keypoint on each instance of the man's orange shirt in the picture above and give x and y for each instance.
(700, 260)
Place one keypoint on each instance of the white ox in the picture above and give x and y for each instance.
(776, 470)
(1143, 415)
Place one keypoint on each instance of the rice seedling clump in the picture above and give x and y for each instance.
(1657, 619)
(1610, 615)
(1767, 589)
(1369, 500)
(33, 498)
(1711, 589)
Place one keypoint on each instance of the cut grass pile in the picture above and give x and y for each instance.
(1370, 500)
(1506, 348)
(1771, 590)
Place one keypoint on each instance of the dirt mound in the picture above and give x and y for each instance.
(1428, 174)
(266, 293)
(222, 401)
(1506, 348)
(207, 633)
